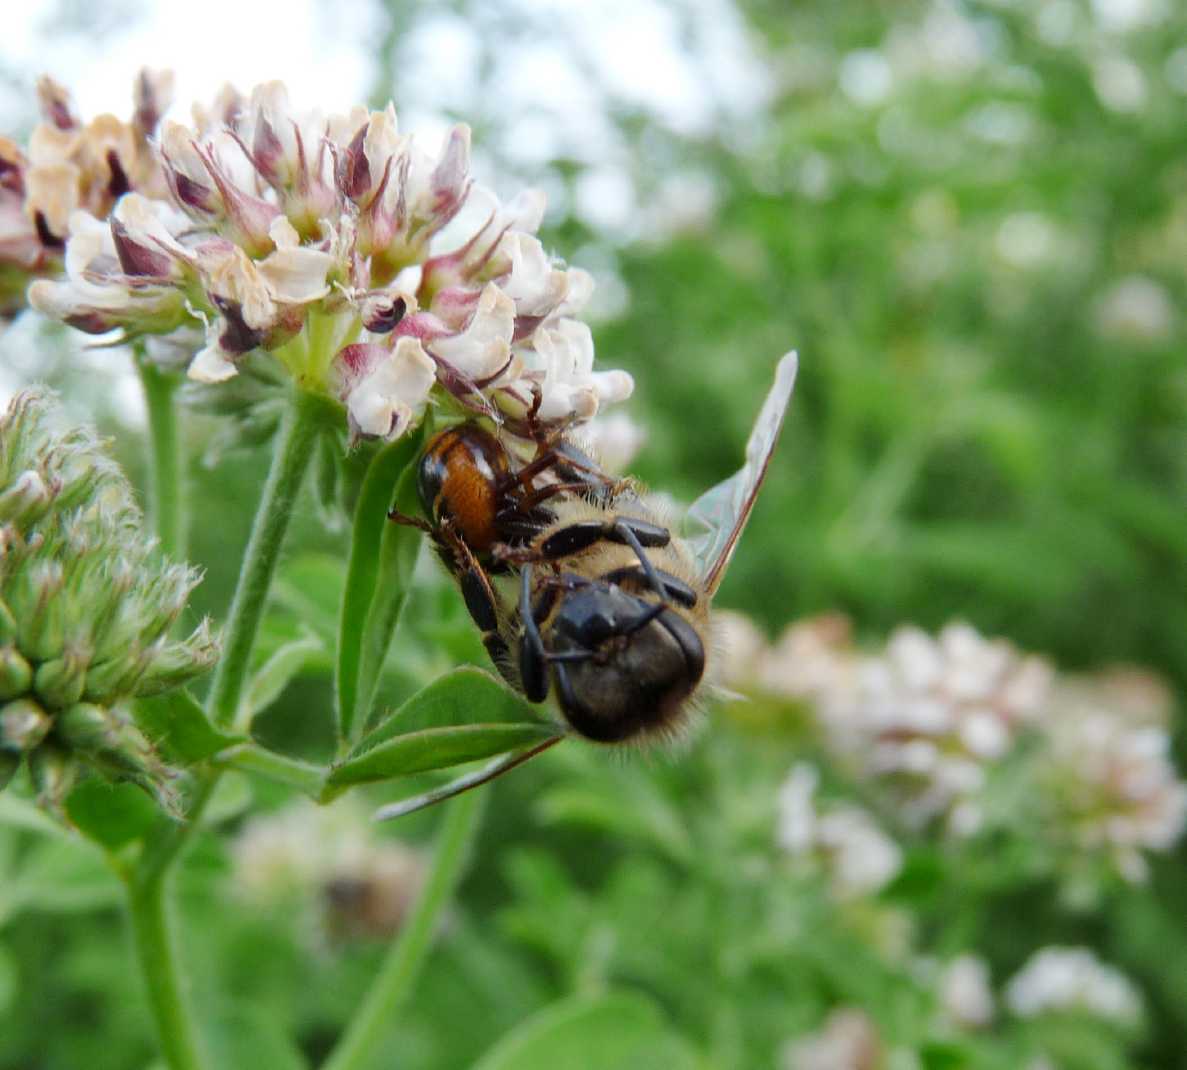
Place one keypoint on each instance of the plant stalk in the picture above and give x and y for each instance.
(167, 503)
(147, 884)
(373, 1019)
(294, 449)
(165, 984)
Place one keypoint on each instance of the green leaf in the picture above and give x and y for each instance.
(278, 672)
(436, 748)
(461, 717)
(10, 978)
(232, 797)
(24, 814)
(399, 548)
(363, 570)
(619, 1031)
(633, 810)
(111, 814)
(253, 1037)
(61, 876)
(307, 587)
(468, 695)
(177, 725)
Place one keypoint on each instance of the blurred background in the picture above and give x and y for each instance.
(970, 218)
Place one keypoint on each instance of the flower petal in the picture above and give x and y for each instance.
(483, 348)
(386, 400)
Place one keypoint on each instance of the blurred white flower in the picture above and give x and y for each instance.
(927, 719)
(857, 855)
(1119, 83)
(865, 76)
(1025, 239)
(350, 880)
(614, 440)
(1072, 979)
(811, 659)
(1110, 775)
(795, 829)
(1123, 15)
(929, 714)
(848, 1040)
(1135, 309)
(742, 650)
(965, 993)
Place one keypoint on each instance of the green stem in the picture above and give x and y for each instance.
(168, 499)
(156, 950)
(156, 945)
(294, 449)
(251, 758)
(373, 1019)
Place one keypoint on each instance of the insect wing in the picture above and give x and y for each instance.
(716, 519)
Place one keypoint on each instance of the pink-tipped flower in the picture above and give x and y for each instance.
(323, 241)
(71, 166)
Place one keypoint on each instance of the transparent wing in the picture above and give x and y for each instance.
(717, 517)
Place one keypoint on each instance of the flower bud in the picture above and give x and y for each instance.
(171, 664)
(9, 764)
(38, 608)
(117, 749)
(382, 312)
(25, 499)
(107, 680)
(15, 674)
(59, 682)
(54, 772)
(23, 725)
(87, 603)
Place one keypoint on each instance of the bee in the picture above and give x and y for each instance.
(577, 587)
(482, 504)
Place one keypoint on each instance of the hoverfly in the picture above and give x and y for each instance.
(608, 610)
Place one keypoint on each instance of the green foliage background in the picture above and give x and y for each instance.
(967, 440)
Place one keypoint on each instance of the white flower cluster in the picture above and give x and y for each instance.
(361, 885)
(930, 713)
(857, 855)
(372, 269)
(928, 718)
(965, 992)
(848, 1040)
(1109, 769)
(1061, 979)
(926, 714)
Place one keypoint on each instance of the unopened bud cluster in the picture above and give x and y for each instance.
(86, 605)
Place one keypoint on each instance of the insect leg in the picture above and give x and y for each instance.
(626, 534)
(583, 534)
(476, 587)
(530, 501)
(677, 590)
(411, 522)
